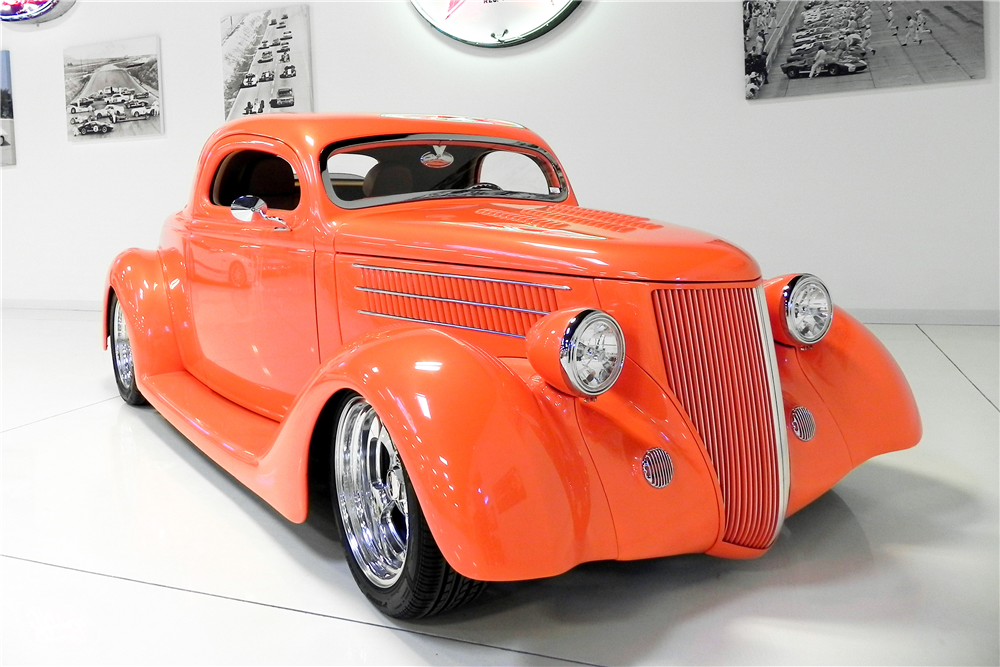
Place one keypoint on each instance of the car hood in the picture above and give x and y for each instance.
(558, 239)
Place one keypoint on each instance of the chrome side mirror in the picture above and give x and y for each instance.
(243, 209)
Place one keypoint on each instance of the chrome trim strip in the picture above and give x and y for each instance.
(442, 324)
(459, 301)
(451, 275)
(777, 405)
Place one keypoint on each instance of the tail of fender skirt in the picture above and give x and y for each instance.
(721, 366)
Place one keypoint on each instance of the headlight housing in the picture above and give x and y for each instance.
(579, 352)
(808, 308)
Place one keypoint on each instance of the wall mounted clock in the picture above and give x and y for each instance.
(494, 23)
(33, 11)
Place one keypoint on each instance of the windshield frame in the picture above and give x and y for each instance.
(504, 144)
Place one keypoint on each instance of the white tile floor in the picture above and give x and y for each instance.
(121, 543)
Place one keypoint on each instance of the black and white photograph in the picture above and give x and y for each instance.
(826, 46)
(113, 89)
(266, 62)
(8, 155)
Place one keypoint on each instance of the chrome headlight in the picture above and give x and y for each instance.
(592, 352)
(808, 308)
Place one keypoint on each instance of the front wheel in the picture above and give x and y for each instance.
(121, 355)
(390, 550)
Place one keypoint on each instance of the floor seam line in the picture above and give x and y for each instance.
(39, 421)
(298, 611)
(934, 343)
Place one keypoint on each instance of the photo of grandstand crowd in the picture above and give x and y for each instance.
(829, 46)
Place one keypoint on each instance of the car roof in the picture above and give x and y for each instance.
(310, 133)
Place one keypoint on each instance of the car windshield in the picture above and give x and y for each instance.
(373, 172)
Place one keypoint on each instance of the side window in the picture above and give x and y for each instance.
(347, 172)
(259, 174)
(513, 171)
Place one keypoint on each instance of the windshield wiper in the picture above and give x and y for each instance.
(472, 192)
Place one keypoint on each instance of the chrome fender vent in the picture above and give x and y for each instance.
(657, 468)
(803, 424)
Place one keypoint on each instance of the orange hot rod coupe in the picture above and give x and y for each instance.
(494, 383)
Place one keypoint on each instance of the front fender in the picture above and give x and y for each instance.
(137, 279)
(863, 388)
(508, 492)
(859, 399)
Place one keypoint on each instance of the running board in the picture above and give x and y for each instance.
(225, 431)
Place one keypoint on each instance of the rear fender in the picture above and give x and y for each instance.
(506, 491)
(137, 278)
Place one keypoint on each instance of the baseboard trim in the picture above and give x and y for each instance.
(906, 316)
(44, 304)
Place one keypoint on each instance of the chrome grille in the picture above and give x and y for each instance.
(721, 366)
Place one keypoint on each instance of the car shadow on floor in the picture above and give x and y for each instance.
(827, 555)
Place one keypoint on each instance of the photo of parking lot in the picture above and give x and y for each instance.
(113, 89)
(266, 62)
(810, 47)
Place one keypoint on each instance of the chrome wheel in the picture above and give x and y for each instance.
(121, 347)
(371, 493)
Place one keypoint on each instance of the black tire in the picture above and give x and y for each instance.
(423, 584)
(121, 354)
(833, 70)
(792, 73)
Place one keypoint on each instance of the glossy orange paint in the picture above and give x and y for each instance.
(242, 333)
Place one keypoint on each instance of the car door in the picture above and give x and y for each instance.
(251, 283)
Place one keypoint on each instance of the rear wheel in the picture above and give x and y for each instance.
(833, 70)
(121, 355)
(390, 550)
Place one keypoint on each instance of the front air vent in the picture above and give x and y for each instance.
(803, 424)
(506, 307)
(657, 468)
(562, 216)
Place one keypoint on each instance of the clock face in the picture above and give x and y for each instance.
(494, 23)
(33, 11)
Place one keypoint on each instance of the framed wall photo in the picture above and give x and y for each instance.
(113, 90)
(8, 154)
(266, 62)
(829, 46)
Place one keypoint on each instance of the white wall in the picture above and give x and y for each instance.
(890, 196)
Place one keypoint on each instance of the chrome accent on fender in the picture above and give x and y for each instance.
(440, 324)
(459, 277)
(657, 468)
(777, 406)
(803, 424)
(459, 301)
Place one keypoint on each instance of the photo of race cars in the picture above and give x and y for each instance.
(7, 154)
(266, 62)
(113, 89)
(820, 46)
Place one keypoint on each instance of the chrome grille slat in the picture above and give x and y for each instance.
(720, 365)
